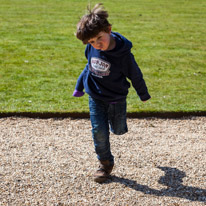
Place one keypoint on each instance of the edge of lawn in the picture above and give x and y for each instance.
(77, 115)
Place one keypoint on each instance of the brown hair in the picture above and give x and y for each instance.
(91, 24)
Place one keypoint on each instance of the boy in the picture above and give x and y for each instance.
(110, 62)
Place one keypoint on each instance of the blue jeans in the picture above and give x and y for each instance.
(104, 117)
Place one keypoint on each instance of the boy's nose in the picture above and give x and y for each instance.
(98, 45)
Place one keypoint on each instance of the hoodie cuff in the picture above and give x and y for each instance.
(77, 93)
(145, 97)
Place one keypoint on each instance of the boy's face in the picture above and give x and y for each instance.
(101, 41)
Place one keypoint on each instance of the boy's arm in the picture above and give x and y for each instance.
(78, 92)
(133, 72)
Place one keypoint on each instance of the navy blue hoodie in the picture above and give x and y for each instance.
(105, 75)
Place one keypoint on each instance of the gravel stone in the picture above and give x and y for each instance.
(51, 162)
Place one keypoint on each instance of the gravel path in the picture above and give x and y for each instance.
(51, 162)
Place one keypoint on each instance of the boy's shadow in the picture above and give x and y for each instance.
(173, 180)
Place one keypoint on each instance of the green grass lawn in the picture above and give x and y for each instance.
(40, 58)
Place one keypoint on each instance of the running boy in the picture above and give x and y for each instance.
(110, 63)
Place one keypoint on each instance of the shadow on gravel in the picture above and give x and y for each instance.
(173, 180)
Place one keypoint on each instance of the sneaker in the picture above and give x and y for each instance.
(102, 174)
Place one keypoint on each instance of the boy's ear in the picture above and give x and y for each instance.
(110, 29)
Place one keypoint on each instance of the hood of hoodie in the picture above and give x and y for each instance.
(123, 45)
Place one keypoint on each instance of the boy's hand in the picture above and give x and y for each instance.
(77, 93)
(147, 99)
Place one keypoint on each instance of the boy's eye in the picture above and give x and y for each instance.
(92, 42)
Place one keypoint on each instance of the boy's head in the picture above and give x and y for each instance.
(93, 23)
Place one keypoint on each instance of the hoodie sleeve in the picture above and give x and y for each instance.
(133, 72)
(80, 81)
